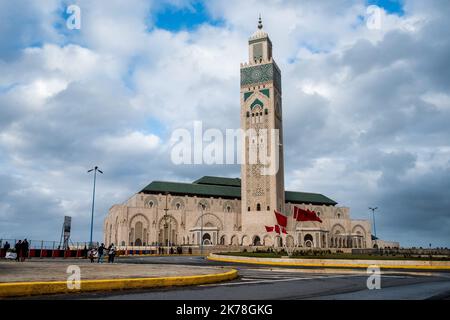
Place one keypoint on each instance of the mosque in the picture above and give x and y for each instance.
(219, 211)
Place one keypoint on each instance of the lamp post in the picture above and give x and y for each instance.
(373, 218)
(95, 169)
(166, 225)
(201, 229)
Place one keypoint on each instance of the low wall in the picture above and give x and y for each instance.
(336, 263)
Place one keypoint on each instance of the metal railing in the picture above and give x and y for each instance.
(47, 245)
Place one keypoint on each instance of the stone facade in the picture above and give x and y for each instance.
(142, 220)
(234, 212)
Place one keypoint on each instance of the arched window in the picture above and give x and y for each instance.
(150, 204)
(228, 209)
(258, 207)
(178, 206)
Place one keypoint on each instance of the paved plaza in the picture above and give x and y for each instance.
(56, 270)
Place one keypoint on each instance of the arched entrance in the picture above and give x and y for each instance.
(256, 241)
(278, 241)
(309, 241)
(268, 241)
(206, 239)
(168, 227)
(138, 242)
(289, 241)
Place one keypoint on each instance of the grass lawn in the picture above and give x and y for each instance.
(332, 256)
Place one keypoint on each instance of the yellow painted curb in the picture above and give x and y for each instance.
(16, 289)
(324, 265)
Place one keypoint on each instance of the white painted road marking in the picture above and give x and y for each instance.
(276, 280)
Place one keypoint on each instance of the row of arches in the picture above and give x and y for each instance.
(137, 233)
(178, 203)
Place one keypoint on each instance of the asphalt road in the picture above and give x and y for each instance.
(263, 282)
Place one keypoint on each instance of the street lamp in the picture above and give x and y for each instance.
(373, 218)
(166, 224)
(201, 229)
(95, 169)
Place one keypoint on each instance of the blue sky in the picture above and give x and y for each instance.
(391, 6)
(176, 18)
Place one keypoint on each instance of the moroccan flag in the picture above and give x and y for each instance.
(281, 219)
(305, 215)
(277, 229)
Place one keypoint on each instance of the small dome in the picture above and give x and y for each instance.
(259, 34)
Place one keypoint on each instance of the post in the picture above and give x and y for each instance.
(201, 230)
(373, 218)
(92, 212)
(166, 226)
(374, 226)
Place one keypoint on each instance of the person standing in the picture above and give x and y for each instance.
(25, 247)
(18, 247)
(6, 247)
(92, 254)
(101, 251)
(111, 253)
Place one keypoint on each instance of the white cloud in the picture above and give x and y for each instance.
(130, 143)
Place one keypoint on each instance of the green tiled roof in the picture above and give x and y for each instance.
(227, 188)
(306, 197)
(220, 181)
(192, 189)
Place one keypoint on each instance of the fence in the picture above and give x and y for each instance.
(52, 249)
(48, 249)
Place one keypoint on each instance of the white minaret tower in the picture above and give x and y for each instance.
(261, 193)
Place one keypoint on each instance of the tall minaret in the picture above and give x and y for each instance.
(261, 193)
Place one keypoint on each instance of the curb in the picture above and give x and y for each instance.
(248, 260)
(17, 289)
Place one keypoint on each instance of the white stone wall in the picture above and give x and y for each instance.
(141, 220)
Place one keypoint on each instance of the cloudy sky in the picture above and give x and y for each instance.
(366, 110)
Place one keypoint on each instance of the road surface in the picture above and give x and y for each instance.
(265, 282)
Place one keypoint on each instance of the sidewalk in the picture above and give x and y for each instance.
(43, 277)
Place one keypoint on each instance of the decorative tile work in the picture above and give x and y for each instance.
(247, 95)
(257, 102)
(265, 92)
(261, 73)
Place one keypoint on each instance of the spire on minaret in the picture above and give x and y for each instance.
(259, 33)
(260, 25)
